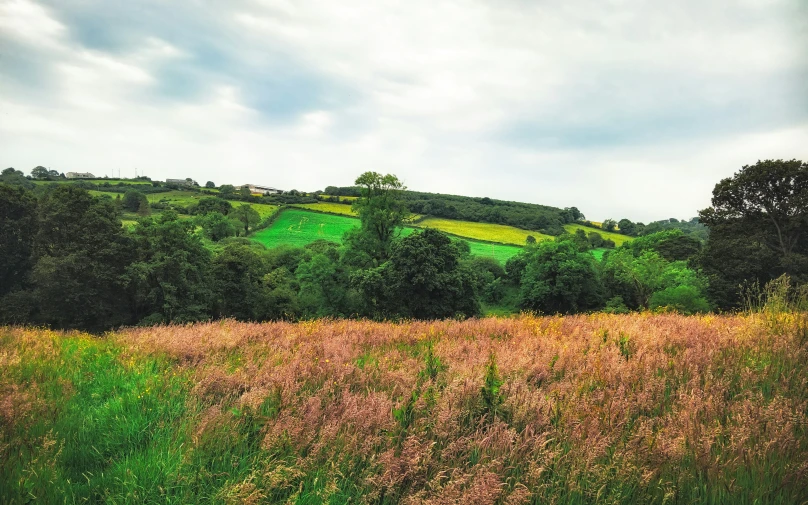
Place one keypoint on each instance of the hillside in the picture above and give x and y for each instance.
(610, 409)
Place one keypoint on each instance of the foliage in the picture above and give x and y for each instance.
(80, 252)
(558, 277)
(758, 228)
(17, 230)
(248, 216)
(15, 178)
(609, 225)
(380, 209)
(216, 226)
(170, 278)
(211, 204)
(423, 278)
(133, 199)
(210, 185)
(672, 244)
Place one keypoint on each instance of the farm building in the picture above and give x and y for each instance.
(79, 175)
(182, 182)
(264, 190)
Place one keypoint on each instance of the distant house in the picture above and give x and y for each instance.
(79, 175)
(263, 190)
(181, 182)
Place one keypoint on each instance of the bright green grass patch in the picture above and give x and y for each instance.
(616, 237)
(299, 227)
(598, 253)
(98, 427)
(482, 231)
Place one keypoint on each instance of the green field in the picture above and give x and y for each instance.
(299, 227)
(616, 237)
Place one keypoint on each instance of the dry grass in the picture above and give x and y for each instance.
(585, 409)
(664, 407)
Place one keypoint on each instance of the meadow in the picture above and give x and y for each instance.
(600, 408)
(300, 227)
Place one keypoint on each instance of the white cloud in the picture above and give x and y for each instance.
(623, 108)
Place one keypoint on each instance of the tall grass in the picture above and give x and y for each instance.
(636, 408)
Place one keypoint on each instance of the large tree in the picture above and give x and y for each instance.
(758, 225)
(80, 253)
(424, 278)
(170, 281)
(559, 277)
(380, 208)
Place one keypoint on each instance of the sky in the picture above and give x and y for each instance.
(622, 108)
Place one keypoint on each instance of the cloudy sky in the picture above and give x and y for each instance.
(623, 108)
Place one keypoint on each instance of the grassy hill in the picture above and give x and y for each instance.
(633, 409)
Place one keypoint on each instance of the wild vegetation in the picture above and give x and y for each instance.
(579, 409)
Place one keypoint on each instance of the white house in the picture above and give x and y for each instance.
(264, 190)
(79, 175)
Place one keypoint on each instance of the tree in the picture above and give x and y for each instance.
(227, 190)
(558, 277)
(15, 178)
(627, 227)
(210, 185)
(212, 204)
(609, 225)
(80, 253)
(423, 279)
(238, 281)
(170, 279)
(248, 216)
(380, 208)
(530, 240)
(758, 225)
(771, 195)
(595, 239)
(133, 199)
(17, 231)
(39, 172)
(216, 226)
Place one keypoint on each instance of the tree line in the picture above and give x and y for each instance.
(67, 262)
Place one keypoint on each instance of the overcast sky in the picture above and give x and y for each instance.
(622, 108)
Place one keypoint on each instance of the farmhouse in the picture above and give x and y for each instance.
(181, 182)
(264, 190)
(79, 175)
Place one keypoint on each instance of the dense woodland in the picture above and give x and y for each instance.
(66, 261)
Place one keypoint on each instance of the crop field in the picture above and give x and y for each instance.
(638, 408)
(618, 238)
(300, 227)
(331, 207)
(482, 231)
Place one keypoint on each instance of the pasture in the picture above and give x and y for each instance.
(631, 409)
